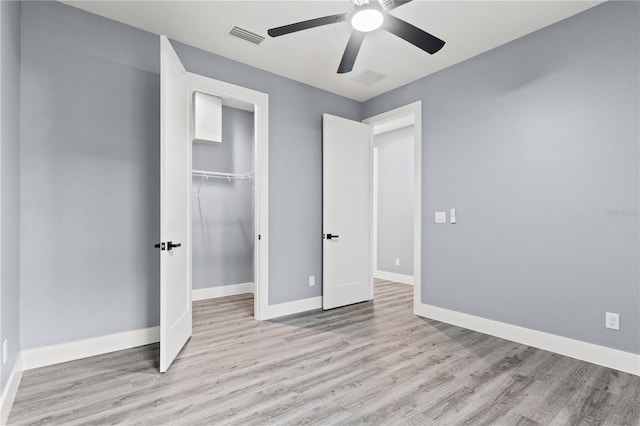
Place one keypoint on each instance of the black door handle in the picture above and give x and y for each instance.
(160, 246)
(171, 245)
(332, 236)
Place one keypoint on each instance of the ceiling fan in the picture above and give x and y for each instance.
(367, 16)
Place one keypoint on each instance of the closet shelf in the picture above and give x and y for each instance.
(205, 175)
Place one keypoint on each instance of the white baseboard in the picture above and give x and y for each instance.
(55, 354)
(222, 291)
(10, 391)
(596, 354)
(392, 276)
(289, 308)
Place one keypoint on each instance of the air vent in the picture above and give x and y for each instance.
(368, 77)
(246, 35)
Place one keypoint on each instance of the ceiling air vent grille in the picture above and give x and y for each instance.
(369, 77)
(246, 35)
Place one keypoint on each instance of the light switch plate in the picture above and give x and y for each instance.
(452, 216)
(441, 217)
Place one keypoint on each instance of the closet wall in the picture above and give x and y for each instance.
(223, 210)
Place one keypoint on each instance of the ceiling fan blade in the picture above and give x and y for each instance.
(351, 52)
(414, 35)
(392, 4)
(305, 25)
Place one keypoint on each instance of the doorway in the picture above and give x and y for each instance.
(180, 90)
(245, 111)
(396, 182)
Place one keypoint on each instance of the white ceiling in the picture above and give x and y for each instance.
(312, 56)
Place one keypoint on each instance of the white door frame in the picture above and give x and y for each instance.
(258, 102)
(396, 118)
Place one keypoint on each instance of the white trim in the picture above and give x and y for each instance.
(392, 276)
(393, 123)
(258, 102)
(372, 245)
(290, 308)
(55, 354)
(381, 121)
(10, 390)
(374, 201)
(596, 354)
(221, 291)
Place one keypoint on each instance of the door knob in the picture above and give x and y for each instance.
(171, 245)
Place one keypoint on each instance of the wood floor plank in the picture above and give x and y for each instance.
(370, 363)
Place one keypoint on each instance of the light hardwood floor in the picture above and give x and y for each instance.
(371, 363)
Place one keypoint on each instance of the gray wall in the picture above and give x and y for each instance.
(223, 213)
(536, 144)
(90, 173)
(395, 200)
(9, 183)
(90, 176)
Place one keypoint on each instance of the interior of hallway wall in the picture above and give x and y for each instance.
(89, 199)
(395, 200)
(535, 143)
(9, 184)
(222, 224)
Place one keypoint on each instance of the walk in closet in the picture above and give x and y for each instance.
(223, 207)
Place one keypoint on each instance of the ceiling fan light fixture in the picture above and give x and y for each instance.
(367, 20)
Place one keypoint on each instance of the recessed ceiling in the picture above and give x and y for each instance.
(312, 56)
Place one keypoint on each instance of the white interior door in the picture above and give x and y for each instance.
(346, 212)
(175, 196)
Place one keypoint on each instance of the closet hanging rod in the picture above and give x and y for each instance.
(205, 175)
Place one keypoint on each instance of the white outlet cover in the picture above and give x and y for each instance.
(612, 321)
(441, 217)
(312, 280)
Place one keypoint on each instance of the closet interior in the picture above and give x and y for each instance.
(223, 198)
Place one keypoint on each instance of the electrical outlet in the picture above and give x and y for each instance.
(397, 262)
(612, 321)
(312, 280)
(4, 351)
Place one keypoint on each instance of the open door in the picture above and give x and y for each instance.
(175, 192)
(346, 212)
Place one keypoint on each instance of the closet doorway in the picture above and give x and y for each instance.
(229, 203)
(182, 123)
